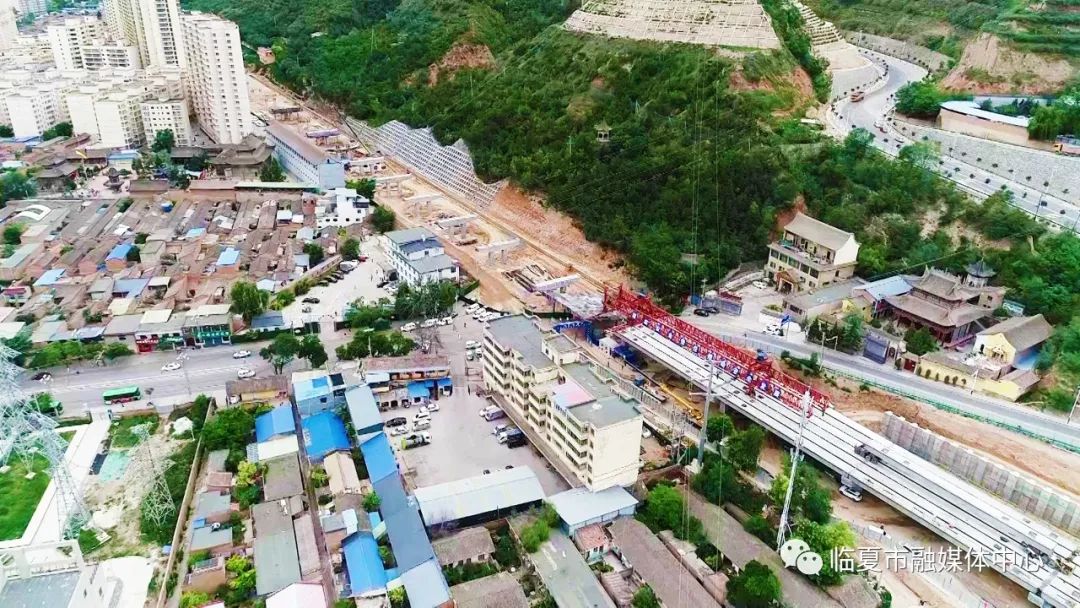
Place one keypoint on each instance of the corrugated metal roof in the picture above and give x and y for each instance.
(278, 421)
(363, 411)
(425, 584)
(324, 433)
(228, 257)
(579, 505)
(363, 565)
(971, 108)
(119, 252)
(378, 457)
(49, 277)
(501, 489)
(408, 538)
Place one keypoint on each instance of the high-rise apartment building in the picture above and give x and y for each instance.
(32, 7)
(35, 108)
(169, 114)
(152, 26)
(85, 43)
(9, 29)
(217, 84)
(580, 413)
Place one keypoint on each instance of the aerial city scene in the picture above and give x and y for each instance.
(539, 303)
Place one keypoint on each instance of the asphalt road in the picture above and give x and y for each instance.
(925, 390)
(874, 112)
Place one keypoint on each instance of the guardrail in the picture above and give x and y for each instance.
(955, 410)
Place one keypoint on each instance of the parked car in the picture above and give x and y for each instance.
(398, 421)
(170, 367)
(499, 428)
(446, 321)
(421, 415)
(244, 372)
(429, 323)
(241, 354)
(472, 344)
(409, 327)
(42, 377)
(398, 430)
(852, 493)
(484, 410)
(760, 284)
(305, 309)
(421, 425)
(310, 300)
(432, 407)
(701, 312)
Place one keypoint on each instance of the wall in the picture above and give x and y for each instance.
(1023, 492)
(931, 60)
(982, 128)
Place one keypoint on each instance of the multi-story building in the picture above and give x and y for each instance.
(84, 43)
(33, 109)
(167, 114)
(216, 79)
(811, 254)
(32, 7)
(111, 108)
(303, 159)
(419, 257)
(579, 412)
(341, 207)
(948, 306)
(9, 30)
(152, 26)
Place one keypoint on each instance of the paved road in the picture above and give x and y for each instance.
(926, 390)
(874, 113)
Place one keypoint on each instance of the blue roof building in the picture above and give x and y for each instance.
(228, 257)
(119, 252)
(324, 433)
(129, 288)
(363, 411)
(50, 277)
(275, 423)
(315, 394)
(363, 566)
(418, 391)
(378, 457)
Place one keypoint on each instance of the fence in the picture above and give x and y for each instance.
(945, 582)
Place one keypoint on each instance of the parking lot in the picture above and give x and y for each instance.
(334, 297)
(462, 443)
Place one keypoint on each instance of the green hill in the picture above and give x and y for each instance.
(694, 165)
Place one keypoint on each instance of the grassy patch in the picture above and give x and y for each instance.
(21, 496)
(67, 436)
(121, 434)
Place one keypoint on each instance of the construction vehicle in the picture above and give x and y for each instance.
(868, 453)
(415, 440)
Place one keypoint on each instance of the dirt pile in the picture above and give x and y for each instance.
(989, 65)
(460, 56)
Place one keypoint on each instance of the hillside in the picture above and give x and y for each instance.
(1001, 45)
(695, 163)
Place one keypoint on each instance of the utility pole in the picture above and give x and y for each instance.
(1076, 401)
(796, 456)
(703, 437)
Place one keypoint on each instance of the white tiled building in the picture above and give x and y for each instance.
(216, 79)
(341, 207)
(167, 114)
(151, 26)
(84, 42)
(419, 257)
(303, 159)
(111, 110)
(581, 412)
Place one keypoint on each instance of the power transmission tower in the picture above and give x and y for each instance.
(26, 432)
(156, 503)
(796, 456)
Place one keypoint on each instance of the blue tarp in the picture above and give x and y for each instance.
(363, 565)
(324, 433)
(119, 252)
(444, 382)
(131, 288)
(228, 257)
(378, 457)
(278, 421)
(418, 389)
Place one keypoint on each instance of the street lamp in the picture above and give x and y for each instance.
(1076, 400)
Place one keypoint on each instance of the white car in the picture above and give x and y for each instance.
(446, 321)
(241, 354)
(408, 327)
(399, 430)
(170, 367)
(429, 323)
(499, 428)
(645, 433)
(852, 493)
(471, 344)
(484, 410)
(760, 284)
(471, 308)
(421, 415)
(431, 407)
(244, 372)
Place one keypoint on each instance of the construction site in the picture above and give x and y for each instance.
(742, 23)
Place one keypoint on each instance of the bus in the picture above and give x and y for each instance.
(121, 395)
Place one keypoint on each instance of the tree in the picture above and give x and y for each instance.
(16, 185)
(644, 597)
(164, 141)
(46, 404)
(248, 300)
(6, 131)
(363, 187)
(311, 348)
(665, 509)
(382, 219)
(756, 586)
(920, 341)
(60, 129)
(350, 249)
(13, 234)
(115, 350)
(760, 527)
(372, 502)
(134, 254)
(744, 447)
(198, 162)
(229, 429)
(809, 499)
(921, 98)
(194, 599)
(823, 539)
(281, 351)
(719, 427)
(271, 171)
(315, 253)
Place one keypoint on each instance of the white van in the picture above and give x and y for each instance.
(429, 323)
(472, 344)
(422, 416)
(421, 425)
(408, 327)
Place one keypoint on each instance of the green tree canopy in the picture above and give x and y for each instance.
(644, 597)
(350, 249)
(756, 586)
(164, 141)
(809, 499)
(311, 348)
(271, 171)
(744, 448)
(16, 185)
(13, 233)
(315, 253)
(363, 187)
(281, 351)
(382, 219)
(248, 300)
(920, 341)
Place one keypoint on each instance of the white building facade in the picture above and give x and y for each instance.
(151, 26)
(341, 207)
(216, 78)
(419, 257)
(167, 114)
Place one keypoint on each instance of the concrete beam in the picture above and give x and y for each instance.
(422, 198)
(392, 179)
(556, 283)
(500, 246)
(454, 222)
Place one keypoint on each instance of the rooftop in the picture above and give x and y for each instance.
(207, 538)
(579, 505)
(277, 563)
(829, 294)
(1022, 332)
(324, 433)
(228, 257)
(379, 457)
(363, 565)
(211, 503)
(606, 408)
(409, 235)
(432, 263)
(363, 411)
(409, 363)
(425, 584)
(500, 489)
(407, 535)
(46, 591)
(49, 277)
(879, 290)
(463, 545)
(301, 145)
(278, 421)
(271, 319)
(818, 232)
(521, 335)
(496, 591)
(674, 585)
(970, 108)
(305, 595)
(283, 478)
(119, 252)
